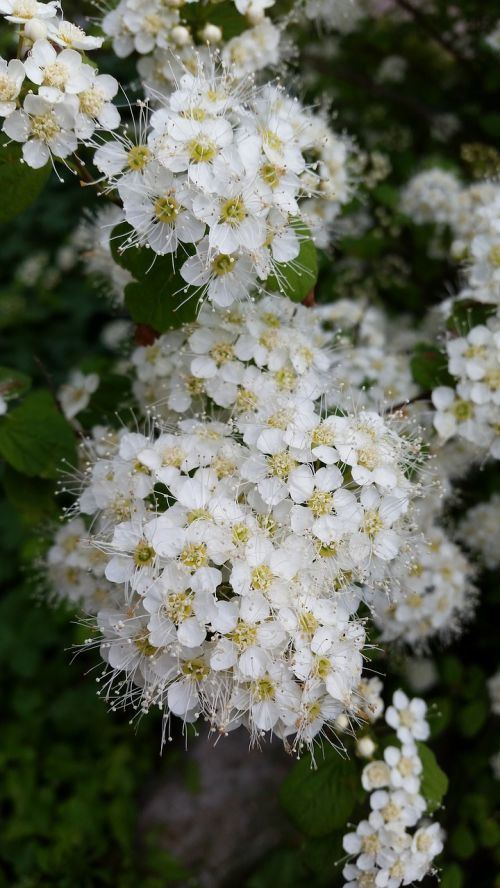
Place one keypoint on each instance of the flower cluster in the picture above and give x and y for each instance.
(71, 100)
(225, 166)
(433, 595)
(397, 844)
(472, 409)
(175, 33)
(478, 530)
(237, 544)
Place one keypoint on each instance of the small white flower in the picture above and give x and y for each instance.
(12, 75)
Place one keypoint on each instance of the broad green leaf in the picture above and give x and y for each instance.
(467, 314)
(434, 781)
(20, 185)
(32, 498)
(296, 279)
(13, 383)
(429, 367)
(159, 296)
(320, 801)
(35, 438)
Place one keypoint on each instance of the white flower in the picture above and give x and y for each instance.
(154, 204)
(408, 718)
(44, 128)
(75, 395)
(71, 36)
(56, 73)
(21, 11)
(12, 75)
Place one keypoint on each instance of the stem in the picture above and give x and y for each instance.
(20, 43)
(423, 396)
(78, 167)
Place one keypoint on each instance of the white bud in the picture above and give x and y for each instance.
(211, 34)
(365, 747)
(35, 30)
(254, 15)
(342, 722)
(181, 35)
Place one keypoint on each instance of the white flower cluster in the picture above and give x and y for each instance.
(472, 409)
(433, 593)
(431, 196)
(225, 166)
(387, 852)
(238, 544)
(72, 99)
(168, 34)
(372, 353)
(479, 530)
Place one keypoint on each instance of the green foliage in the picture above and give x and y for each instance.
(159, 297)
(434, 780)
(13, 384)
(320, 800)
(429, 367)
(298, 278)
(19, 184)
(35, 438)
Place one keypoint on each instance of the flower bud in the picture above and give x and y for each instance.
(211, 34)
(181, 35)
(365, 747)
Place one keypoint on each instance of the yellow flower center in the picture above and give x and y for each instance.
(201, 150)
(143, 554)
(222, 264)
(222, 352)
(45, 126)
(166, 208)
(281, 464)
(138, 157)
(91, 101)
(261, 578)
(194, 555)
(320, 503)
(243, 635)
(233, 211)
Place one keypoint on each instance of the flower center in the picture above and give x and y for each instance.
(372, 523)
(322, 434)
(178, 606)
(322, 667)
(320, 503)
(166, 208)
(271, 174)
(222, 352)
(196, 669)
(243, 635)
(281, 464)
(222, 264)
(194, 555)
(272, 140)
(263, 689)
(138, 157)
(307, 623)
(462, 410)
(91, 101)
(143, 554)
(8, 89)
(55, 75)
(45, 126)
(201, 150)
(152, 24)
(261, 578)
(233, 211)
(144, 645)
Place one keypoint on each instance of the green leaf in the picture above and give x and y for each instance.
(159, 296)
(35, 438)
(296, 279)
(320, 801)
(20, 185)
(467, 314)
(472, 717)
(13, 384)
(452, 876)
(32, 498)
(429, 367)
(434, 781)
